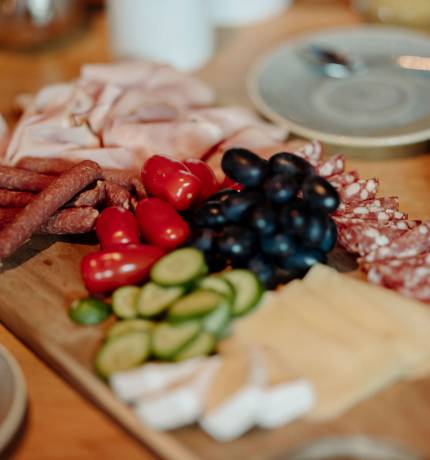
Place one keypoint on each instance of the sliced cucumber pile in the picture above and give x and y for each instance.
(180, 314)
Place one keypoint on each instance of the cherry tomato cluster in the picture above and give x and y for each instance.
(172, 187)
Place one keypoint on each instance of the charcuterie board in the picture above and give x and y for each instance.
(36, 288)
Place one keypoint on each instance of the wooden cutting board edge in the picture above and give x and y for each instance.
(92, 388)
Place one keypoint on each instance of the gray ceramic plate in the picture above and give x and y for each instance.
(12, 397)
(380, 108)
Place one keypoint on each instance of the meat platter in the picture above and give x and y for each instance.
(265, 208)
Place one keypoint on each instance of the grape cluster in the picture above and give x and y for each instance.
(277, 226)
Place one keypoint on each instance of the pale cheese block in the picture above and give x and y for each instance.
(284, 397)
(402, 322)
(344, 364)
(152, 377)
(233, 399)
(182, 404)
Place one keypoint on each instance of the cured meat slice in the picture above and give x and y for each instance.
(20, 179)
(363, 189)
(333, 166)
(388, 202)
(410, 244)
(62, 189)
(371, 213)
(12, 199)
(362, 237)
(339, 181)
(312, 152)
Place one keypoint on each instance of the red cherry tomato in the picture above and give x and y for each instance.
(154, 173)
(161, 224)
(104, 271)
(228, 183)
(182, 189)
(116, 226)
(209, 183)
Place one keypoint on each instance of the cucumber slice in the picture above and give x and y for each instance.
(123, 352)
(129, 325)
(124, 301)
(89, 311)
(168, 339)
(153, 299)
(202, 345)
(218, 284)
(247, 289)
(217, 321)
(194, 305)
(179, 267)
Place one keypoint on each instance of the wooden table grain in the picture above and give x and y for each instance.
(61, 424)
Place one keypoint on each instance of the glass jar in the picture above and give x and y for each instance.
(411, 13)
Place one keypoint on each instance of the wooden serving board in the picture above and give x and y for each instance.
(38, 285)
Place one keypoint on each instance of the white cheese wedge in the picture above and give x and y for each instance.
(285, 397)
(181, 405)
(285, 402)
(153, 377)
(233, 402)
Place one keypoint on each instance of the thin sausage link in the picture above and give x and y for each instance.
(20, 179)
(12, 199)
(61, 190)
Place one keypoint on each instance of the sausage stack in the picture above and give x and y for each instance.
(56, 196)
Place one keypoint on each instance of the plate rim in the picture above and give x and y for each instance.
(18, 406)
(255, 71)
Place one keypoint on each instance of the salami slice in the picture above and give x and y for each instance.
(371, 213)
(340, 181)
(312, 152)
(333, 166)
(410, 244)
(388, 202)
(363, 189)
(363, 237)
(410, 276)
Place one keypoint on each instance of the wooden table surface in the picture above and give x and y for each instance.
(60, 423)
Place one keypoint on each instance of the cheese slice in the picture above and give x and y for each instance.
(233, 399)
(402, 322)
(344, 363)
(152, 377)
(181, 405)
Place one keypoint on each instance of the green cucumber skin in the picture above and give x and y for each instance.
(129, 312)
(170, 355)
(129, 325)
(177, 292)
(207, 283)
(187, 352)
(103, 372)
(159, 267)
(243, 310)
(89, 311)
(176, 315)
